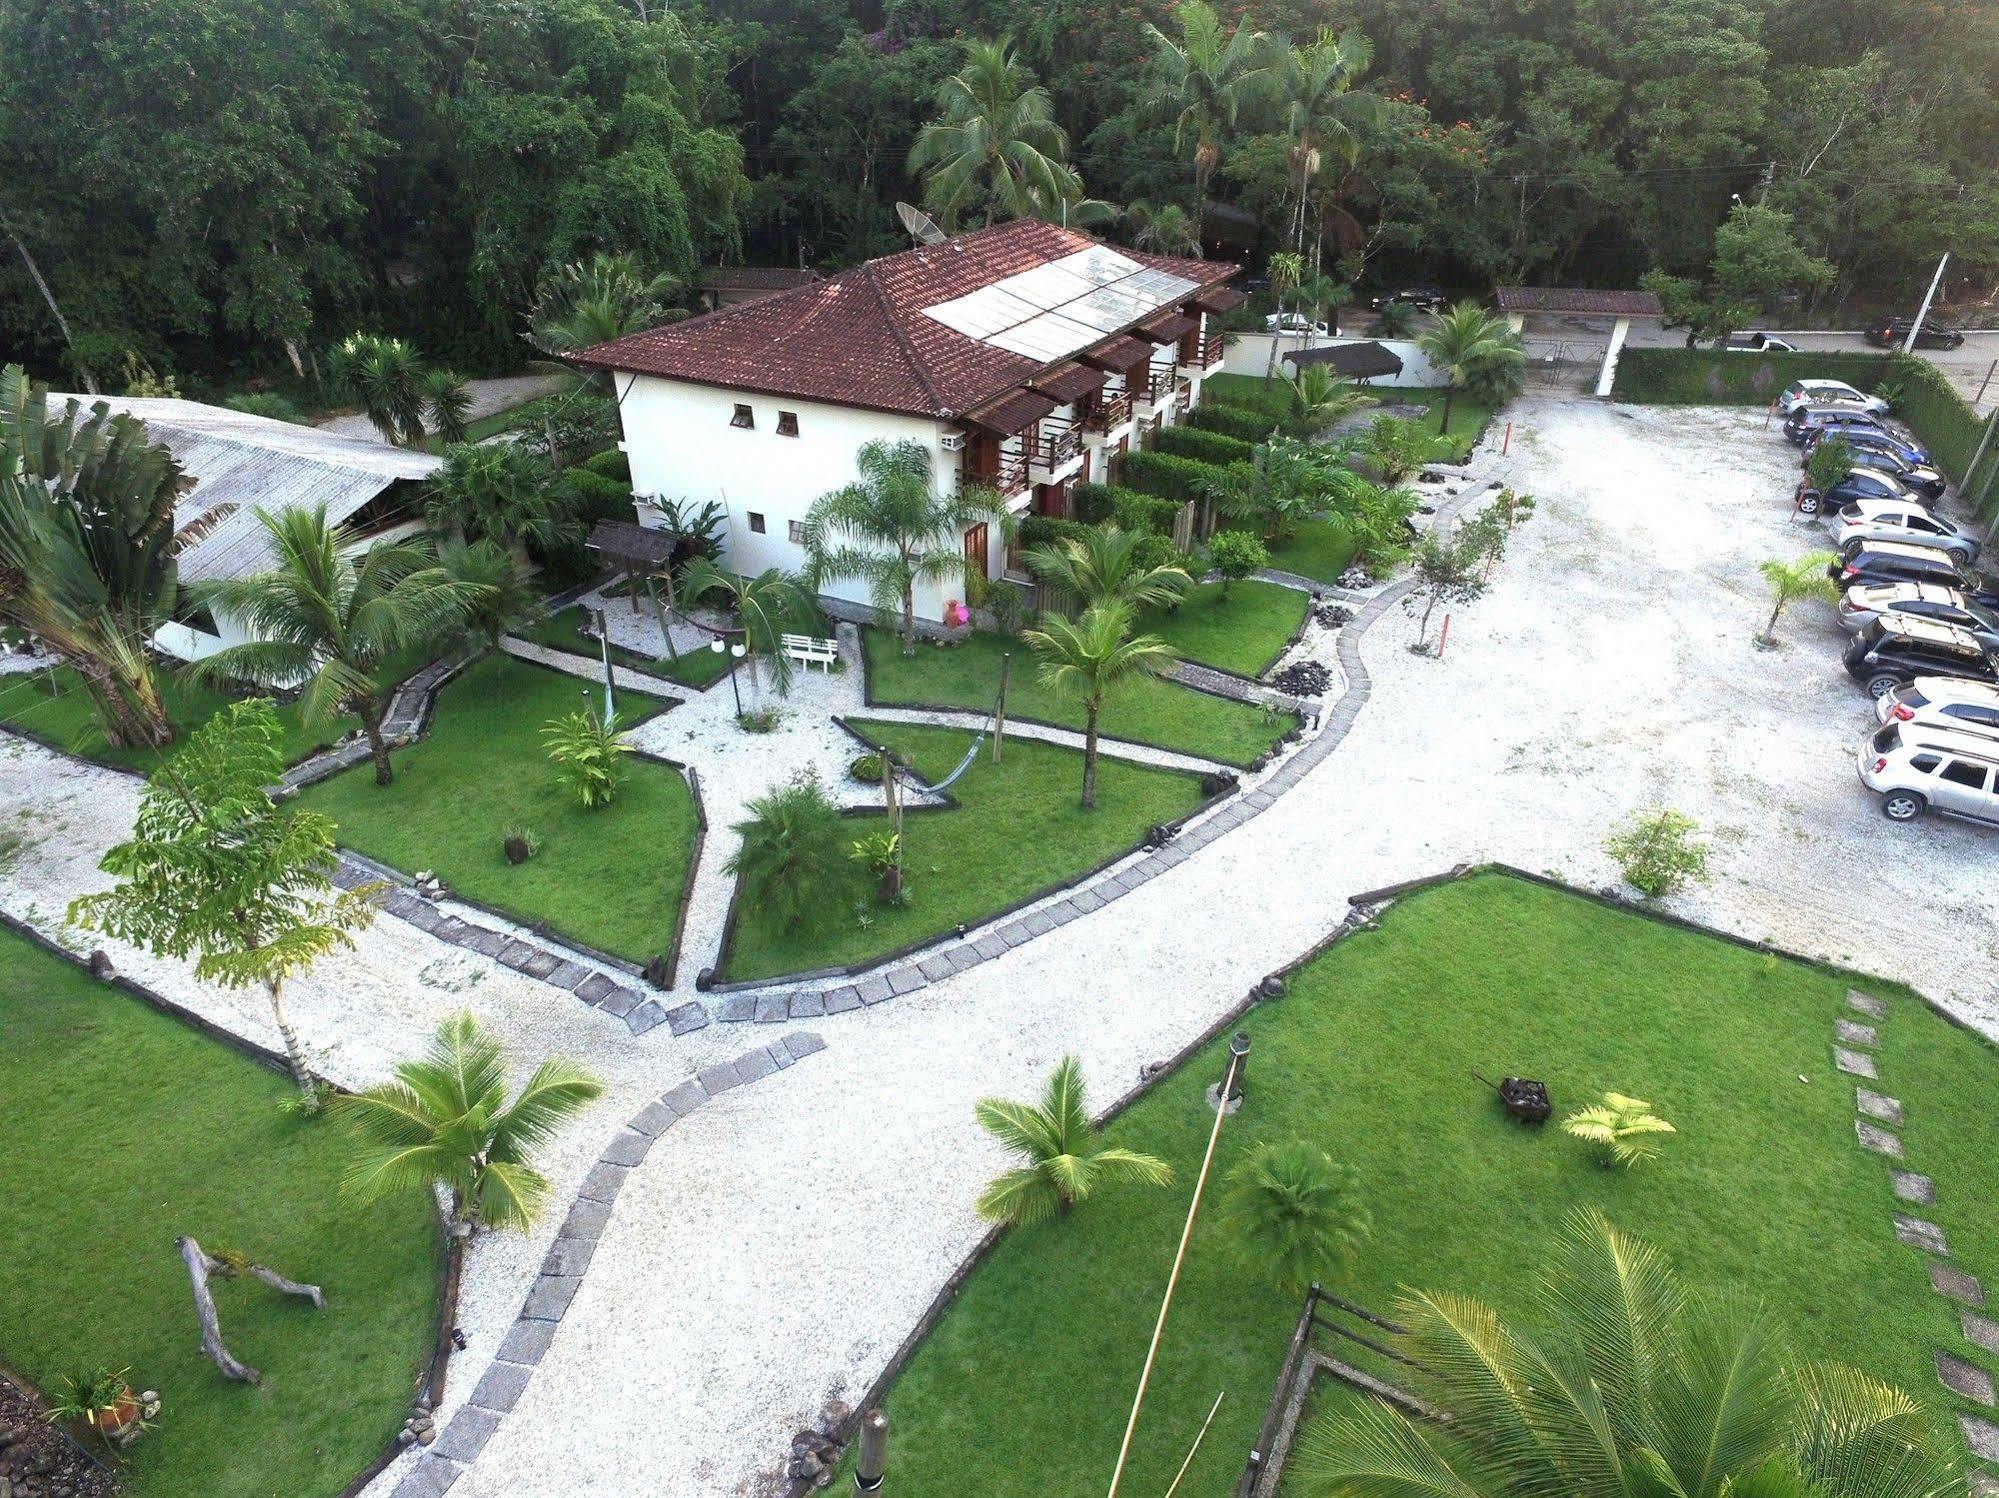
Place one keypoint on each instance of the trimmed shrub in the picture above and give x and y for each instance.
(611, 464)
(598, 497)
(1715, 377)
(1159, 551)
(1252, 392)
(1235, 555)
(1127, 509)
(1203, 447)
(1046, 530)
(1165, 475)
(1244, 423)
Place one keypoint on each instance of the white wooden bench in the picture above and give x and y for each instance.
(810, 650)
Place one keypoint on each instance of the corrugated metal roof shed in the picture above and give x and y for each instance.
(241, 462)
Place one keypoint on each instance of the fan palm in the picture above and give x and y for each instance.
(86, 548)
(1318, 398)
(1313, 85)
(997, 143)
(1102, 565)
(328, 621)
(594, 301)
(1065, 1161)
(1795, 580)
(761, 606)
(891, 530)
(793, 853)
(445, 1121)
(1293, 1215)
(1472, 349)
(500, 591)
(1090, 660)
(1635, 1390)
(1167, 229)
(1624, 1129)
(1208, 78)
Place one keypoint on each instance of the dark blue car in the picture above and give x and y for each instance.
(1808, 427)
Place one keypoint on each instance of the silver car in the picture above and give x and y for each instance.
(1915, 770)
(1968, 707)
(1862, 520)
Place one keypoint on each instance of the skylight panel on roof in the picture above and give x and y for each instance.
(1111, 307)
(1047, 286)
(1047, 337)
(1099, 265)
(984, 312)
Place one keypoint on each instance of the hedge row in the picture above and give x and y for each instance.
(1125, 508)
(1252, 393)
(1203, 446)
(1714, 377)
(1169, 477)
(1046, 530)
(1937, 414)
(1244, 423)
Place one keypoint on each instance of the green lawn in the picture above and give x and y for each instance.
(1244, 632)
(563, 630)
(1018, 830)
(612, 877)
(125, 1128)
(1468, 416)
(1025, 1385)
(1320, 549)
(1151, 712)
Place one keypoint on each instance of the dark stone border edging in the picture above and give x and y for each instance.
(465, 1435)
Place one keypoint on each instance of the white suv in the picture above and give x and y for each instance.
(1966, 707)
(1915, 770)
(1827, 393)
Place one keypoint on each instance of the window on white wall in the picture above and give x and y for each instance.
(787, 423)
(797, 532)
(744, 417)
(757, 522)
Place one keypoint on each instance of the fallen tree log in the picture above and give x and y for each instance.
(200, 1267)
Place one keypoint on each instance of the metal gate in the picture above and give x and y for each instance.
(1563, 364)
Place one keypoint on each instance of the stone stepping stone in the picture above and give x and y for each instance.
(1981, 1435)
(1955, 1283)
(1876, 1138)
(1979, 1330)
(1964, 1380)
(1855, 1033)
(1920, 1233)
(1874, 1105)
(1854, 1063)
(1984, 1485)
(1911, 1187)
(1865, 1004)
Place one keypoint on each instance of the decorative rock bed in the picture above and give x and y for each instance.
(39, 1461)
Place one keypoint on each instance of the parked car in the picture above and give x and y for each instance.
(1970, 707)
(1827, 393)
(1810, 427)
(1902, 562)
(1422, 298)
(1858, 484)
(1862, 605)
(1895, 649)
(1757, 343)
(1295, 322)
(1890, 332)
(1918, 478)
(1931, 769)
(1862, 520)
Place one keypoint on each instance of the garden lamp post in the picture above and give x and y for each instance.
(720, 645)
(604, 645)
(873, 1459)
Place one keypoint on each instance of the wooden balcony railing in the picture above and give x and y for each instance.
(1009, 477)
(1112, 412)
(1158, 386)
(1212, 349)
(1055, 443)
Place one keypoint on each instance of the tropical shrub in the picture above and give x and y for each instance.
(1063, 1160)
(1104, 564)
(1394, 448)
(1244, 423)
(880, 853)
(1624, 1129)
(611, 463)
(593, 496)
(587, 754)
(1829, 462)
(1007, 603)
(1293, 1215)
(1047, 530)
(520, 844)
(1659, 851)
(1235, 555)
(793, 856)
(267, 404)
(1203, 447)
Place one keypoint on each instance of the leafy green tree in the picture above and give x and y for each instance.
(1755, 258)
(1473, 350)
(793, 854)
(1630, 1387)
(1163, 228)
(1236, 555)
(1286, 483)
(1658, 851)
(1293, 1216)
(217, 871)
(761, 606)
(404, 398)
(996, 144)
(86, 548)
(1105, 564)
(1208, 77)
(1091, 659)
(500, 492)
(891, 530)
(1065, 1161)
(445, 1121)
(329, 622)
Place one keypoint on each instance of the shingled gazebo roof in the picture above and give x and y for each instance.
(1579, 299)
(1355, 361)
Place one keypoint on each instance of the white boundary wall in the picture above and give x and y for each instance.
(1249, 354)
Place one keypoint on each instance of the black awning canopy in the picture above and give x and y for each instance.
(1363, 360)
(633, 547)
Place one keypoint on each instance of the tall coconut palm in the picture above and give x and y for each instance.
(1313, 85)
(1472, 349)
(1102, 566)
(997, 145)
(1208, 79)
(594, 301)
(1164, 228)
(761, 605)
(328, 622)
(1285, 271)
(891, 530)
(1635, 1389)
(1091, 660)
(1064, 1160)
(86, 548)
(445, 1121)
(404, 398)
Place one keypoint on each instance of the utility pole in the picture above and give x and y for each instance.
(1909, 343)
(1763, 184)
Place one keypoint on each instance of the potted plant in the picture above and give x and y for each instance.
(102, 1400)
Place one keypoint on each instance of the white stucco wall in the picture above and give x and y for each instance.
(682, 447)
(1249, 353)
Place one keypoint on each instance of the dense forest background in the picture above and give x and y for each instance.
(223, 187)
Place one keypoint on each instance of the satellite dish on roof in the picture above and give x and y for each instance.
(922, 228)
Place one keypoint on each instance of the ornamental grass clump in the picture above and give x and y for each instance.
(587, 754)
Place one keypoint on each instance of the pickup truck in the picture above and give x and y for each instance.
(1757, 343)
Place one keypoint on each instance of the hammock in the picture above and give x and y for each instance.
(966, 763)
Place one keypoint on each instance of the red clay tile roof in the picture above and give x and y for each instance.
(1070, 382)
(861, 338)
(1578, 299)
(1015, 411)
(1167, 327)
(757, 277)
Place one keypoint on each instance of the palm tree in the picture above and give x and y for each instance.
(1320, 298)
(1319, 398)
(86, 548)
(1286, 270)
(1312, 83)
(595, 301)
(762, 605)
(1635, 1390)
(1625, 1130)
(447, 402)
(1102, 566)
(1207, 80)
(500, 589)
(398, 391)
(1792, 581)
(1065, 1163)
(445, 1121)
(1167, 229)
(997, 143)
(328, 623)
(793, 853)
(499, 491)
(891, 530)
(1394, 320)
(1471, 348)
(1090, 660)
(1293, 1215)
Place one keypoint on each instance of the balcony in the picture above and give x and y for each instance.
(1158, 387)
(1213, 347)
(1007, 475)
(1111, 412)
(1057, 443)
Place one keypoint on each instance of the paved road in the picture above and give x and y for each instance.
(488, 396)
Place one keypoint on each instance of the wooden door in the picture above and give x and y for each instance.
(975, 550)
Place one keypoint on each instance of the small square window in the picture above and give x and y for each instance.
(797, 531)
(744, 417)
(756, 522)
(787, 423)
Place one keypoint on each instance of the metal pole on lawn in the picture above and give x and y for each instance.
(604, 644)
(999, 707)
(1990, 369)
(1179, 1257)
(1909, 343)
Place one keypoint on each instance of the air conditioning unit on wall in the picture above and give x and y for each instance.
(952, 442)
